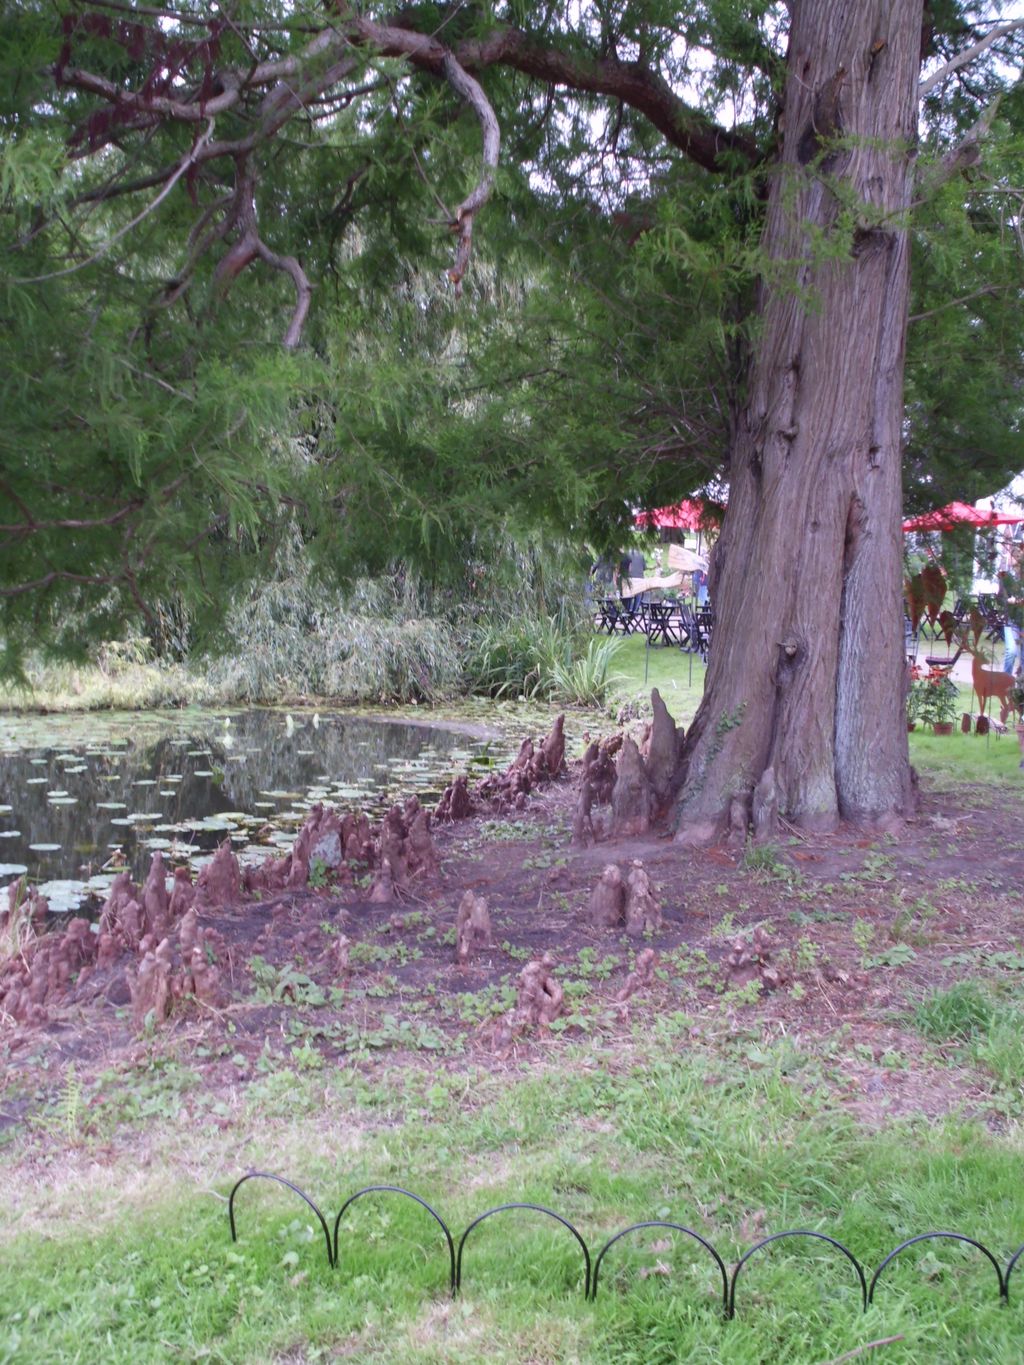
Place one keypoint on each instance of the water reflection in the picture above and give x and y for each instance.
(75, 789)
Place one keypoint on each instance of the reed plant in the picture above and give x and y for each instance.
(17, 929)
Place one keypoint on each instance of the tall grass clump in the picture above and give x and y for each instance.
(553, 658)
(991, 1027)
(120, 675)
(511, 622)
(962, 1012)
(374, 642)
(17, 929)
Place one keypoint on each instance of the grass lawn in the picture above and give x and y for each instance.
(116, 1246)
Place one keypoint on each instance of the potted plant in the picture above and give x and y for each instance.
(938, 701)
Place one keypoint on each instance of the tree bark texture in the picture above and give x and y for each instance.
(807, 670)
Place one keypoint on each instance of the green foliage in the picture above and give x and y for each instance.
(548, 658)
(157, 445)
(765, 859)
(961, 1012)
(298, 636)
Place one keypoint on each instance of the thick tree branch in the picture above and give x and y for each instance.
(692, 132)
(986, 291)
(250, 246)
(334, 53)
(635, 84)
(462, 224)
(968, 55)
(303, 290)
(70, 523)
(55, 575)
(962, 157)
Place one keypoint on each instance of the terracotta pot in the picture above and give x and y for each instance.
(942, 727)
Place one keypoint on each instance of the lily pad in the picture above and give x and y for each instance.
(46, 848)
(64, 895)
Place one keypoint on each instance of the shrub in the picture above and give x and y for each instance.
(297, 638)
(540, 657)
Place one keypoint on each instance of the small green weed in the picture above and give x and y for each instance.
(896, 956)
(964, 1011)
(765, 860)
(277, 984)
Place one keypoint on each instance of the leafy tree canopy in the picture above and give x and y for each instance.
(415, 279)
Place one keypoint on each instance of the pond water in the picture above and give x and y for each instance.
(83, 794)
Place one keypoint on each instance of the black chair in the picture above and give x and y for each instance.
(911, 640)
(687, 627)
(609, 612)
(704, 624)
(631, 615)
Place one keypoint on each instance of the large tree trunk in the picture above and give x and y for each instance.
(807, 669)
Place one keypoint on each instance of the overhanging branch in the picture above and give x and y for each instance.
(462, 224)
(967, 56)
(194, 155)
(287, 84)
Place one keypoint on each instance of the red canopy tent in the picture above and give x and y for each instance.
(689, 515)
(956, 514)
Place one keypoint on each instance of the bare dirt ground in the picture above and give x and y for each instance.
(832, 941)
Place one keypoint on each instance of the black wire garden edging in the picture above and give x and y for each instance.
(592, 1265)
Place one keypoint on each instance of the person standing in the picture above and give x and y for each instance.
(1011, 595)
(636, 568)
(700, 587)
